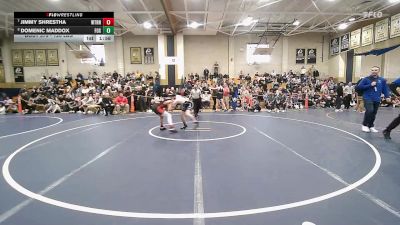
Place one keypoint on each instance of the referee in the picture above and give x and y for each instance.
(393, 87)
(196, 93)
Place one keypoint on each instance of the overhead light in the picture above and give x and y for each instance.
(343, 26)
(352, 19)
(248, 21)
(194, 25)
(393, 1)
(147, 25)
(296, 23)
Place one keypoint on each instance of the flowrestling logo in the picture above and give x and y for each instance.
(372, 14)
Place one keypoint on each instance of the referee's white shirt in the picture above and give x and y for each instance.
(195, 93)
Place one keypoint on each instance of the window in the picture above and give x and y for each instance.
(257, 59)
(98, 52)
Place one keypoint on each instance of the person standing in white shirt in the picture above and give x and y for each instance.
(348, 93)
(195, 94)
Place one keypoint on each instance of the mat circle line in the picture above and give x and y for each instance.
(60, 120)
(10, 180)
(205, 139)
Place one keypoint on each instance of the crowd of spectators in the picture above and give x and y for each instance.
(112, 93)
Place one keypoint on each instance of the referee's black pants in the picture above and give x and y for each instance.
(196, 106)
(214, 102)
(346, 101)
(339, 102)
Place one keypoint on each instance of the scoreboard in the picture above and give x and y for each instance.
(64, 27)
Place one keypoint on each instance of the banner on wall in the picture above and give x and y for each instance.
(395, 26)
(335, 46)
(311, 55)
(29, 57)
(367, 35)
(382, 30)
(344, 42)
(40, 57)
(52, 57)
(19, 74)
(148, 55)
(300, 55)
(2, 75)
(17, 58)
(136, 56)
(355, 39)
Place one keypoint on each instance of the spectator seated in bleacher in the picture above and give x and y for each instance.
(121, 104)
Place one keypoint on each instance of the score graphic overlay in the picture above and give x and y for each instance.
(64, 27)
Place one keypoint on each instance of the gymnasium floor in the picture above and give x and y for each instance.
(237, 168)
